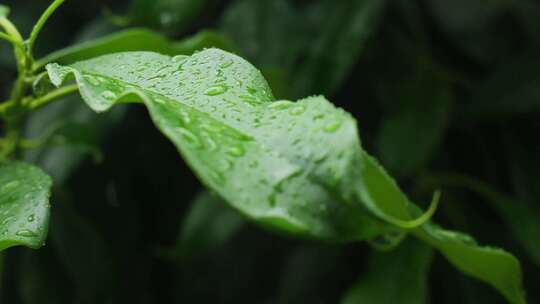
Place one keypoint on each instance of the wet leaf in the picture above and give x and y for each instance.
(296, 167)
(24, 205)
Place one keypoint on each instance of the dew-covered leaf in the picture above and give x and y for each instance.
(296, 167)
(399, 276)
(278, 163)
(490, 265)
(24, 205)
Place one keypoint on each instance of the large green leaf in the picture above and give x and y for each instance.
(494, 266)
(24, 205)
(399, 276)
(230, 149)
(296, 167)
(136, 40)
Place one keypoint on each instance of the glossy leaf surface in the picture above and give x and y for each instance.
(293, 166)
(24, 205)
(223, 146)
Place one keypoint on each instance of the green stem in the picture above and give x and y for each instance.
(39, 25)
(8, 38)
(18, 45)
(52, 96)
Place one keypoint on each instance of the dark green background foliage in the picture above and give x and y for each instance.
(446, 94)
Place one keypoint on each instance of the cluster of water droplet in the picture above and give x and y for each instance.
(267, 157)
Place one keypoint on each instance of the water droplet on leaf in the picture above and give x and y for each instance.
(26, 233)
(216, 90)
(297, 110)
(108, 95)
(332, 126)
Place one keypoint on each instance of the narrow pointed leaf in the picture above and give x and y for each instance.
(490, 265)
(24, 205)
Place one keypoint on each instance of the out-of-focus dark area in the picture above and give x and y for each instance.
(446, 94)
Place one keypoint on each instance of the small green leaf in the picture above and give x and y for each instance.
(136, 40)
(399, 276)
(24, 205)
(491, 265)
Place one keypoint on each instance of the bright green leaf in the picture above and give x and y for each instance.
(24, 205)
(491, 265)
(399, 276)
(293, 166)
(228, 153)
